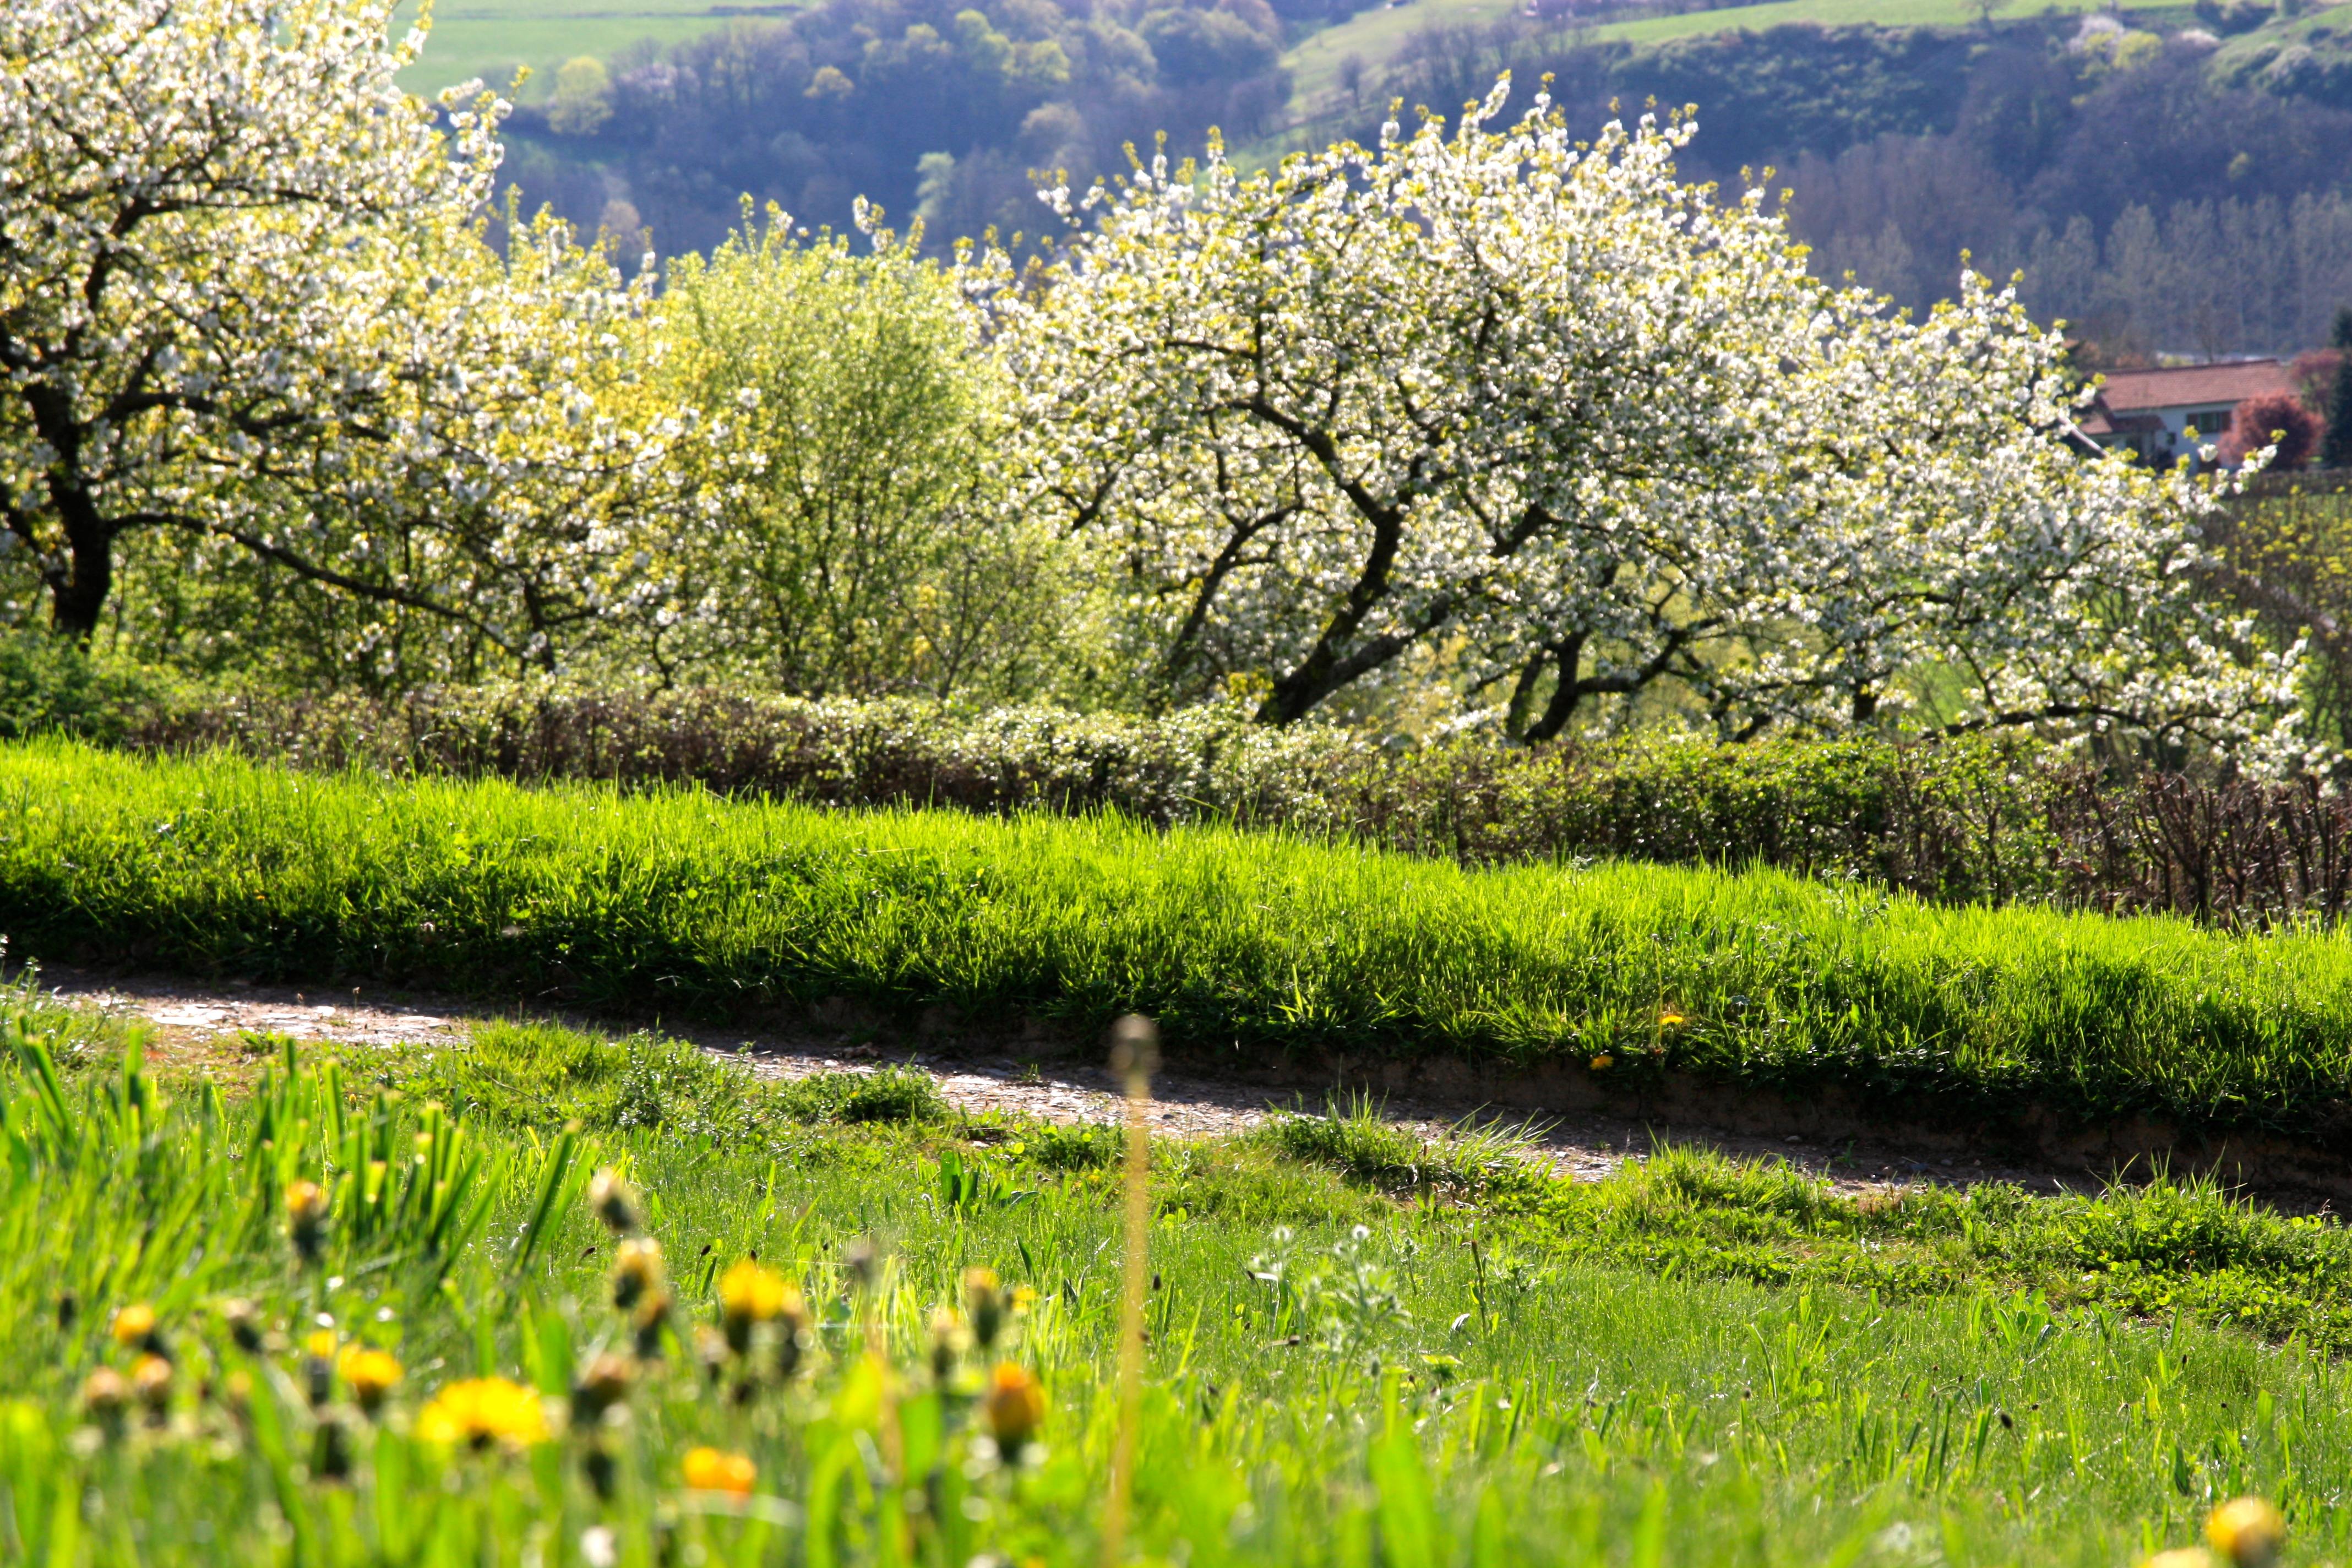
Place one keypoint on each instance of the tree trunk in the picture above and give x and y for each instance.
(79, 587)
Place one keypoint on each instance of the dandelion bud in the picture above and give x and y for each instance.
(104, 1394)
(711, 1349)
(636, 1270)
(983, 1298)
(135, 1326)
(947, 1344)
(2247, 1530)
(605, 1385)
(151, 1380)
(306, 1218)
(330, 1452)
(319, 1367)
(651, 1315)
(792, 1339)
(614, 1201)
(371, 1374)
(1014, 1405)
(863, 1263)
(603, 1475)
(244, 1321)
(710, 1471)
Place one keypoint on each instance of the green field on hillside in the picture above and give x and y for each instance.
(1373, 35)
(1259, 944)
(376, 1312)
(491, 38)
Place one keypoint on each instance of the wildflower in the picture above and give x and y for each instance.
(104, 1394)
(371, 1374)
(1672, 1017)
(614, 1201)
(136, 1325)
(983, 1298)
(605, 1385)
(748, 1294)
(947, 1344)
(2247, 1530)
(2181, 1557)
(1014, 1405)
(1024, 1298)
(481, 1411)
(652, 1314)
(636, 1270)
(151, 1380)
(330, 1452)
(306, 1217)
(710, 1471)
(1603, 1062)
(244, 1321)
(318, 1366)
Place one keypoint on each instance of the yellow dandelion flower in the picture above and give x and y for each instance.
(711, 1471)
(135, 1324)
(2247, 1530)
(1014, 1405)
(320, 1342)
(751, 1292)
(2181, 1557)
(1603, 1062)
(1672, 1017)
(481, 1411)
(748, 1294)
(371, 1374)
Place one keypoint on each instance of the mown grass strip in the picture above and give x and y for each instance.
(1249, 943)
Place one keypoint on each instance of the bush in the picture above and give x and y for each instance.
(1989, 818)
(47, 683)
(2276, 417)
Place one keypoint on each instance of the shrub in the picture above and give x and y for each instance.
(1984, 818)
(2276, 416)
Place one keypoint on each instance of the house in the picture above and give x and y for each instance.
(2149, 411)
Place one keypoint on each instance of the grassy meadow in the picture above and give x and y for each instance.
(675, 901)
(362, 1311)
(492, 39)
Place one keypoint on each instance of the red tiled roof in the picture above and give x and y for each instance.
(2180, 386)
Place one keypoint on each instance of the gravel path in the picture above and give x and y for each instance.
(193, 1022)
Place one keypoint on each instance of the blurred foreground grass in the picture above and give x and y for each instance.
(1251, 944)
(1364, 1350)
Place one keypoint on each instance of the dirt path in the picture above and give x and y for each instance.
(192, 1023)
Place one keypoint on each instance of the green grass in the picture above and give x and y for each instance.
(1248, 944)
(1335, 1376)
(491, 38)
(1374, 36)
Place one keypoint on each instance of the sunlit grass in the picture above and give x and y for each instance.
(1253, 944)
(1319, 1390)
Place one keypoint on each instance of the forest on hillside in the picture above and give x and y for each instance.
(2172, 193)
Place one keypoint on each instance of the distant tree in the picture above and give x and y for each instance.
(2335, 449)
(583, 98)
(2275, 418)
